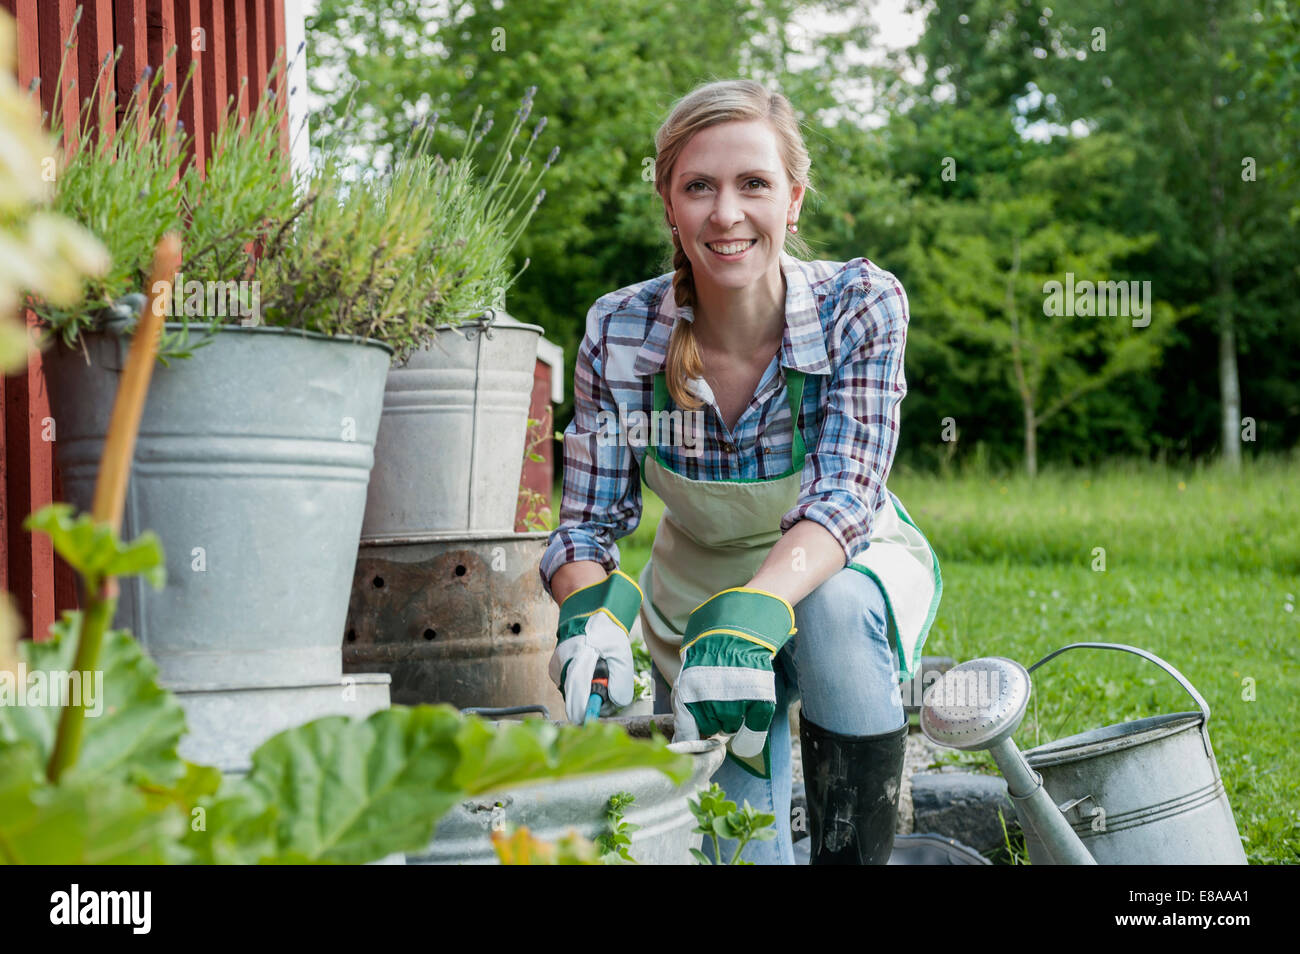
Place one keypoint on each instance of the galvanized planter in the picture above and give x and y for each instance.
(460, 619)
(251, 465)
(450, 449)
(225, 726)
(464, 835)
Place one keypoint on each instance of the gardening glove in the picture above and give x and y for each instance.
(727, 683)
(594, 625)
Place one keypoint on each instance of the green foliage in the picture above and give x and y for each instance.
(388, 255)
(997, 81)
(719, 818)
(336, 790)
(395, 255)
(79, 821)
(122, 189)
(345, 265)
(1202, 568)
(643, 668)
(135, 733)
(243, 196)
(1013, 850)
(613, 844)
(1225, 101)
(94, 550)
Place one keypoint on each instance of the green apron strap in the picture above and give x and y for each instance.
(794, 392)
(794, 388)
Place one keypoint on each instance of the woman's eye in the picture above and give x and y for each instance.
(761, 182)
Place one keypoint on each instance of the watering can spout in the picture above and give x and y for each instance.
(978, 705)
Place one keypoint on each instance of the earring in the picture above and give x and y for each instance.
(674, 229)
(792, 227)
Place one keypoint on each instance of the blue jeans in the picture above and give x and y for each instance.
(841, 664)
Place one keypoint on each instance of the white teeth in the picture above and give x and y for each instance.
(733, 248)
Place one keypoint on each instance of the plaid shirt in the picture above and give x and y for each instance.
(846, 328)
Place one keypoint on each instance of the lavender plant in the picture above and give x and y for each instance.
(390, 254)
(478, 223)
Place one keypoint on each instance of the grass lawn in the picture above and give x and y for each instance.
(1200, 567)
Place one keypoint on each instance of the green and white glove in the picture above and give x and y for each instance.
(726, 683)
(594, 624)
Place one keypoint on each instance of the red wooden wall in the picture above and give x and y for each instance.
(537, 476)
(225, 40)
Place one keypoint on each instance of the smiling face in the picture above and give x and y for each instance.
(729, 188)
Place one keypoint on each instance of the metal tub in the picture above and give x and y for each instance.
(550, 809)
(450, 450)
(251, 466)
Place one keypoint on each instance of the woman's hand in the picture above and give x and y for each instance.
(594, 625)
(727, 683)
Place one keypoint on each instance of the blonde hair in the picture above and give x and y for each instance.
(709, 105)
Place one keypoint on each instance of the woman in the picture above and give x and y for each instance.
(782, 565)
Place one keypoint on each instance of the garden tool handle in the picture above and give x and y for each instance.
(599, 690)
(1152, 657)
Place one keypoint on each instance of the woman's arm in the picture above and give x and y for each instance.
(845, 473)
(803, 559)
(601, 502)
(574, 576)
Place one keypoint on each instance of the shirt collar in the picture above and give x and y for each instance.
(803, 346)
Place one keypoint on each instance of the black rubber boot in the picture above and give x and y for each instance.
(852, 784)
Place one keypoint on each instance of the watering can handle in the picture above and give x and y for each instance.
(1152, 657)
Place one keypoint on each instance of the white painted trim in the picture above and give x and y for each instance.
(295, 31)
(553, 354)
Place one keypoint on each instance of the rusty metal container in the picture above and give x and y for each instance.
(461, 619)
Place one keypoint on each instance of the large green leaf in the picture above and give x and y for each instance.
(350, 791)
(79, 822)
(339, 790)
(134, 736)
(536, 750)
(93, 548)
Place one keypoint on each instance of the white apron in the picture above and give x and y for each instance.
(715, 534)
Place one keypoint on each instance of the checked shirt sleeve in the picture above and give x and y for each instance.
(602, 486)
(844, 477)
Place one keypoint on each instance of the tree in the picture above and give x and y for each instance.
(1009, 269)
(1178, 80)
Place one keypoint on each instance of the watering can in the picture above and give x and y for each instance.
(1142, 792)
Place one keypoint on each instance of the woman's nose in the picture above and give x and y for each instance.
(726, 211)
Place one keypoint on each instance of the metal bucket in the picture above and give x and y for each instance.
(450, 450)
(551, 809)
(461, 619)
(251, 466)
(1142, 792)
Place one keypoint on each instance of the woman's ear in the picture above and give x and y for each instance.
(796, 198)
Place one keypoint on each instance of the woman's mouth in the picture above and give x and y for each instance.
(731, 251)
